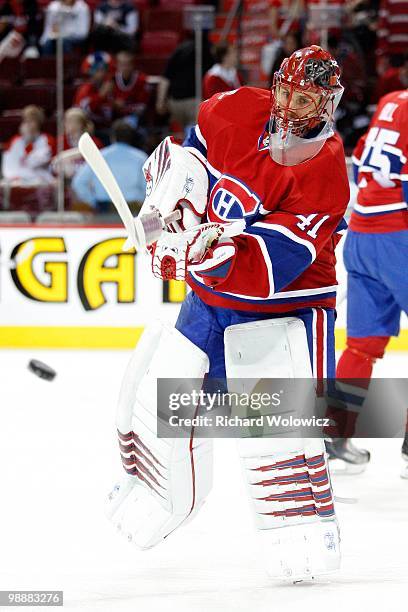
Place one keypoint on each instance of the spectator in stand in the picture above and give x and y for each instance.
(28, 154)
(12, 17)
(76, 123)
(69, 160)
(95, 97)
(72, 19)
(116, 23)
(126, 163)
(392, 35)
(176, 89)
(393, 79)
(223, 76)
(130, 89)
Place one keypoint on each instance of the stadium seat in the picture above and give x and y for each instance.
(151, 65)
(221, 20)
(32, 199)
(43, 70)
(227, 5)
(162, 19)
(50, 126)
(69, 94)
(9, 72)
(141, 4)
(18, 97)
(8, 127)
(160, 44)
(174, 4)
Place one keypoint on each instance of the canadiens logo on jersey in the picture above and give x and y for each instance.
(231, 199)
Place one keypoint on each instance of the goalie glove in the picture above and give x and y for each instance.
(175, 180)
(175, 253)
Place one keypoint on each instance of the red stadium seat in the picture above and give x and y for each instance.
(8, 128)
(18, 97)
(215, 38)
(50, 127)
(33, 199)
(9, 70)
(227, 5)
(69, 94)
(150, 65)
(221, 20)
(141, 4)
(43, 69)
(174, 4)
(160, 43)
(162, 19)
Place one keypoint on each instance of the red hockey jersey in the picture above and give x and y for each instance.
(284, 260)
(134, 94)
(99, 108)
(381, 169)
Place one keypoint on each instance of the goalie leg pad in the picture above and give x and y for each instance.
(287, 479)
(166, 479)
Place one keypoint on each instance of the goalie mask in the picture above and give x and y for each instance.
(305, 93)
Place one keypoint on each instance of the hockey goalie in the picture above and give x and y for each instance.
(270, 164)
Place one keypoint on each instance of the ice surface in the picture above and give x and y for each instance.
(58, 459)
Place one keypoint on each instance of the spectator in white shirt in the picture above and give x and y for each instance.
(28, 154)
(72, 18)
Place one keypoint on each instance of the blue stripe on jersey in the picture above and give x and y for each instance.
(220, 271)
(212, 179)
(394, 158)
(192, 141)
(405, 190)
(289, 258)
(342, 225)
(377, 214)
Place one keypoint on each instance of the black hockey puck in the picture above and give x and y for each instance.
(42, 370)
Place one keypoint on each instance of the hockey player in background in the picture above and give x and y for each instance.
(376, 254)
(272, 161)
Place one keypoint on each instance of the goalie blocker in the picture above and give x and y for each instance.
(167, 480)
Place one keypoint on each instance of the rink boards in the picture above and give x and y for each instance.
(74, 287)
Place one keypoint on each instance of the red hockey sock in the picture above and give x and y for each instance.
(359, 357)
(355, 367)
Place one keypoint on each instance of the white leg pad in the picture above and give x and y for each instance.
(287, 479)
(167, 479)
(301, 552)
